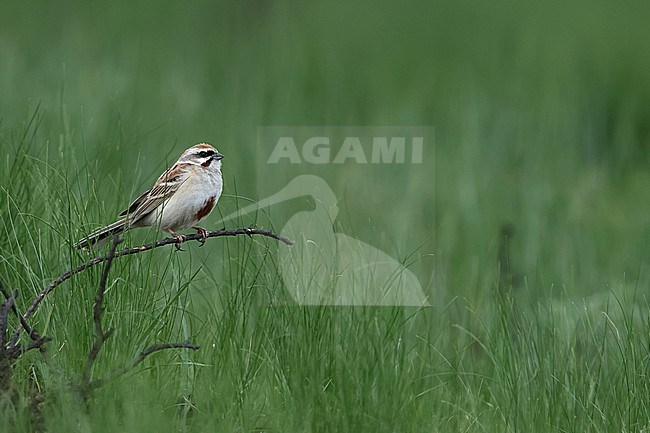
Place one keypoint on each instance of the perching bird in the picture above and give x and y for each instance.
(182, 195)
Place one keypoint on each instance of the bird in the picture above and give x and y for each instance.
(183, 195)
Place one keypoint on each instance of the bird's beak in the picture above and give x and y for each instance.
(217, 156)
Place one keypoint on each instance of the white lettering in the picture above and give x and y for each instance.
(351, 148)
(417, 145)
(284, 148)
(316, 150)
(387, 153)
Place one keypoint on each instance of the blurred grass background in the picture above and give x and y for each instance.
(541, 114)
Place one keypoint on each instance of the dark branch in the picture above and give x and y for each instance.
(5, 353)
(157, 347)
(87, 386)
(4, 314)
(135, 250)
(11, 352)
(39, 344)
(98, 310)
(32, 333)
(138, 359)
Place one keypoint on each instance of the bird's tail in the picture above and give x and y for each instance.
(100, 235)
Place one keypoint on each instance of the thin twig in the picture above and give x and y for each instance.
(139, 249)
(39, 344)
(137, 360)
(5, 354)
(4, 314)
(14, 351)
(32, 333)
(98, 310)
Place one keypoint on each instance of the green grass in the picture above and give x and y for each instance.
(541, 120)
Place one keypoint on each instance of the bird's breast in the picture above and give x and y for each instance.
(193, 200)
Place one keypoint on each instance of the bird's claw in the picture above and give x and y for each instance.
(204, 234)
(179, 240)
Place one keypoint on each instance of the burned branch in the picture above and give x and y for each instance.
(98, 310)
(87, 385)
(7, 304)
(5, 353)
(12, 349)
(138, 359)
(139, 249)
(31, 332)
(18, 349)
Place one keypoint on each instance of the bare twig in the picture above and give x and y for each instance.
(5, 353)
(98, 310)
(4, 314)
(138, 359)
(158, 347)
(13, 351)
(138, 249)
(39, 344)
(87, 385)
(32, 333)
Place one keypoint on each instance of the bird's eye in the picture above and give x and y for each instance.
(206, 153)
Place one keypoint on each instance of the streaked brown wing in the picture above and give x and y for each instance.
(155, 198)
(137, 202)
(165, 186)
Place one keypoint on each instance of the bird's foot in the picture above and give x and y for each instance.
(179, 239)
(203, 232)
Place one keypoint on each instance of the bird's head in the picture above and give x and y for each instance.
(202, 154)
